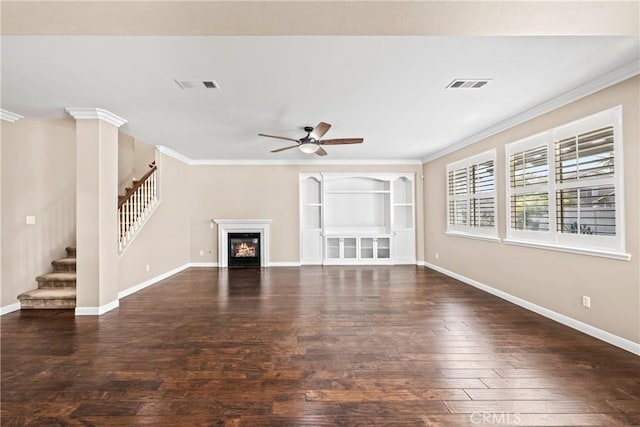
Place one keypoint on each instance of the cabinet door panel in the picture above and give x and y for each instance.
(404, 248)
(350, 248)
(366, 247)
(333, 247)
(311, 246)
(383, 248)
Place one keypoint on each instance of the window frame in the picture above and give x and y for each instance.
(469, 230)
(611, 246)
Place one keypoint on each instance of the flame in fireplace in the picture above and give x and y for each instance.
(245, 250)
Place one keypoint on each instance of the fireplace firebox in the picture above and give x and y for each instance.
(244, 249)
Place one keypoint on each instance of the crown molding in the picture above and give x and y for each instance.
(172, 153)
(274, 162)
(96, 114)
(10, 117)
(267, 162)
(613, 77)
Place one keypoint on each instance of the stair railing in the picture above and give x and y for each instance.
(135, 206)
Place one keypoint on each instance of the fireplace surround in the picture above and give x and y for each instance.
(227, 226)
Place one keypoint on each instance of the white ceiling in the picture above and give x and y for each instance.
(388, 89)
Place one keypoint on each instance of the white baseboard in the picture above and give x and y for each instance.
(605, 336)
(9, 308)
(421, 263)
(284, 264)
(147, 283)
(97, 311)
(202, 264)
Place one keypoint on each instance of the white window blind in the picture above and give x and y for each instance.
(471, 195)
(564, 185)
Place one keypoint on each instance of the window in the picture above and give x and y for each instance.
(471, 196)
(565, 185)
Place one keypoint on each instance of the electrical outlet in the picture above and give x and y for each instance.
(148, 267)
(201, 252)
(437, 255)
(31, 220)
(586, 301)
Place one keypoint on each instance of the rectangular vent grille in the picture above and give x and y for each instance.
(198, 84)
(468, 83)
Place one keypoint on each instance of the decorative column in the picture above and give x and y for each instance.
(96, 209)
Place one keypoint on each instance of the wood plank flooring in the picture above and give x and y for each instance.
(311, 346)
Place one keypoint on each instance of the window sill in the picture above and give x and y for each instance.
(622, 256)
(473, 236)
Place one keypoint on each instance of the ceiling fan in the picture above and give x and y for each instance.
(312, 142)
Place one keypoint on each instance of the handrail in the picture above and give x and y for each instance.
(130, 192)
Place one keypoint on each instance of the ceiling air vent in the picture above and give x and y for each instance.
(198, 84)
(468, 83)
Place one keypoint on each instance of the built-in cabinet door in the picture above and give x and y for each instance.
(366, 248)
(383, 247)
(350, 248)
(333, 248)
(311, 246)
(404, 249)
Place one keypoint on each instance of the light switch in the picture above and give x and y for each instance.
(31, 219)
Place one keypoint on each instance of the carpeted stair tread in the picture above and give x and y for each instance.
(62, 276)
(52, 293)
(64, 265)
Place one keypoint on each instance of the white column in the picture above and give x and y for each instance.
(96, 209)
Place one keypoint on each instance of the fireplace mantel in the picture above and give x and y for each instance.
(226, 226)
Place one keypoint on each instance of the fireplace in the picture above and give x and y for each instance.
(244, 249)
(227, 227)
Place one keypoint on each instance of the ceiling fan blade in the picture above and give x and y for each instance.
(285, 148)
(278, 137)
(320, 152)
(339, 141)
(320, 129)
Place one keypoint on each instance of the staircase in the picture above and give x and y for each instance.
(56, 290)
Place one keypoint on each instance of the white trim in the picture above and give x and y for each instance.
(174, 154)
(275, 162)
(616, 76)
(9, 308)
(421, 263)
(149, 282)
(472, 236)
(10, 117)
(201, 264)
(605, 336)
(267, 162)
(97, 311)
(284, 264)
(95, 114)
(570, 249)
(242, 226)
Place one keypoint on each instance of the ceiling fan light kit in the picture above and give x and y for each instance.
(311, 143)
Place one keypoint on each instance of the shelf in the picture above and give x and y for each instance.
(403, 204)
(312, 205)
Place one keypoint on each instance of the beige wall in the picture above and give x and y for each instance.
(126, 160)
(134, 157)
(163, 242)
(264, 192)
(551, 279)
(38, 178)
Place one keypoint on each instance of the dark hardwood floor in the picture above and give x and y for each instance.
(312, 346)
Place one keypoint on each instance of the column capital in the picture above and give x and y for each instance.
(95, 114)
(10, 117)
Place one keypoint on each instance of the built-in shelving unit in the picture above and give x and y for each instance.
(357, 218)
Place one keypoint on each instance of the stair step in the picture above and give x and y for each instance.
(58, 298)
(64, 265)
(57, 280)
(71, 251)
